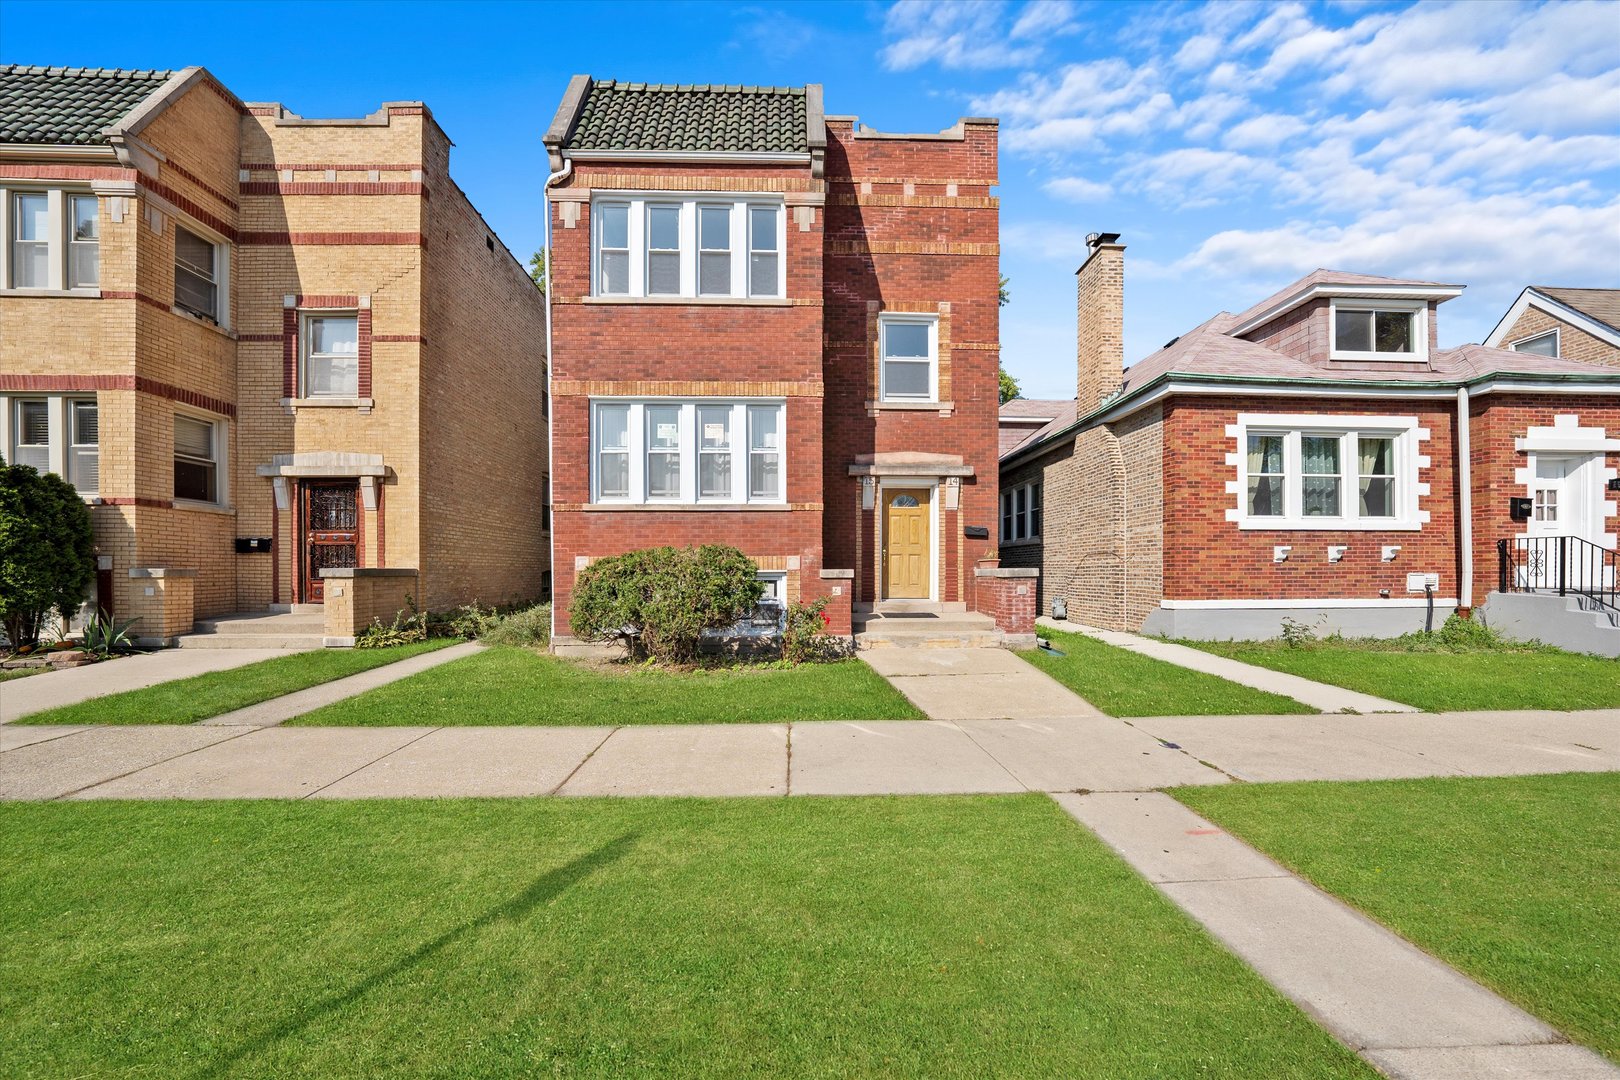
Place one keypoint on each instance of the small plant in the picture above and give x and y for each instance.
(805, 639)
(1471, 634)
(470, 621)
(1296, 634)
(104, 637)
(405, 630)
(528, 627)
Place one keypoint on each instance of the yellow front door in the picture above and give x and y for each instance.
(905, 544)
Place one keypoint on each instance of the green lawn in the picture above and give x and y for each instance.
(1124, 683)
(1514, 881)
(918, 937)
(506, 685)
(186, 701)
(1535, 678)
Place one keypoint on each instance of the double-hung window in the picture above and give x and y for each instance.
(1328, 473)
(55, 434)
(671, 246)
(54, 240)
(1385, 330)
(331, 356)
(31, 433)
(30, 240)
(673, 451)
(196, 459)
(1021, 513)
(84, 446)
(196, 274)
(910, 357)
(84, 242)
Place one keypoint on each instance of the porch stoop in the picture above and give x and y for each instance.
(259, 630)
(926, 626)
(1574, 622)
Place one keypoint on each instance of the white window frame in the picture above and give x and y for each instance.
(306, 316)
(1418, 309)
(58, 238)
(688, 441)
(70, 433)
(73, 243)
(1558, 342)
(1404, 430)
(1020, 507)
(222, 274)
(637, 206)
(221, 458)
(59, 427)
(684, 224)
(932, 323)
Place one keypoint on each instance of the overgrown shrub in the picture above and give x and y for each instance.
(805, 639)
(405, 629)
(528, 627)
(468, 621)
(1460, 633)
(662, 599)
(47, 555)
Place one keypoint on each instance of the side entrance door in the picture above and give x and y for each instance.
(906, 558)
(331, 532)
(1560, 505)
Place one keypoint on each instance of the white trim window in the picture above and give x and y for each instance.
(673, 246)
(1385, 330)
(50, 239)
(54, 434)
(84, 242)
(1325, 472)
(668, 450)
(909, 357)
(1021, 513)
(196, 459)
(30, 240)
(84, 445)
(1543, 344)
(198, 268)
(329, 355)
(31, 433)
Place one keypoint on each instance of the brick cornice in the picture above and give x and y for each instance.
(907, 247)
(590, 181)
(340, 187)
(333, 239)
(323, 166)
(685, 388)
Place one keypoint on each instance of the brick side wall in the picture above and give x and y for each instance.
(1573, 342)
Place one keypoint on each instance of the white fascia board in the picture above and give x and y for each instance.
(712, 157)
(1530, 298)
(1323, 602)
(1511, 385)
(53, 152)
(1357, 292)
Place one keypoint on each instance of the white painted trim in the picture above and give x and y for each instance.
(1325, 602)
(1418, 309)
(1557, 336)
(639, 205)
(1293, 427)
(1357, 292)
(690, 453)
(887, 319)
(706, 157)
(1531, 298)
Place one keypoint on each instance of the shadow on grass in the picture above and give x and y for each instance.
(545, 887)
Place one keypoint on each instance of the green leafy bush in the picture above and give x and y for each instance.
(47, 555)
(662, 599)
(468, 621)
(805, 639)
(528, 627)
(103, 636)
(406, 629)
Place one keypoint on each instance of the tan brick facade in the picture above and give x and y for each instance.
(1574, 343)
(445, 441)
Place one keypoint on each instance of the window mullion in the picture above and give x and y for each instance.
(638, 453)
(741, 452)
(689, 249)
(636, 237)
(739, 249)
(56, 240)
(1293, 477)
(686, 439)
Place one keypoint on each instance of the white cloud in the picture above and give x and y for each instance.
(1263, 132)
(1078, 189)
(968, 34)
(1045, 240)
(1045, 18)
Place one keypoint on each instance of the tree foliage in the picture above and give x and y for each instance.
(1009, 386)
(664, 598)
(47, 553)
(537, 269)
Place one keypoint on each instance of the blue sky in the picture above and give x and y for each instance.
(1234, 145)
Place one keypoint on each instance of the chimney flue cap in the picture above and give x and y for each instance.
(1096, 240)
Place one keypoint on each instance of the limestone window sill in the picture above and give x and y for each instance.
(55, 294)
(329, 403)
(942, 407)
(685, 508)
(200, 507)
(701, 301)
(203, 321)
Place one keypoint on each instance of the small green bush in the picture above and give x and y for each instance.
(528, 627)
(1461, 633)
(406, 629)
(47, 553)
(805, 639)
(662, 599)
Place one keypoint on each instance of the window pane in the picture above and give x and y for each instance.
(1265, 496)
(663, 451)
(714, 427)
(763, 279)
(86, 217)
(905, 339)
(663, 228)
(907, 378)
(714, 273)
(33, 423)
(193, 480)
(764, 476)
(33, 218)
(1545, 345)
(1394, 331)
(1265, 454)
(332, 376)
(663, 475)
(615, 273)
(194, 438)
(614, 223)
(762, 228)
(1377, 496)
(84, 468)
(714, 463)
(334, 334)
(613, 475)
(1353, 331)
(765, 457)
(194, 253)
(1319, 455)
(613, 427)
(664, 273)
(86, 424)
(84, 265)
(714, 228)
(1321, 496)
(763, 428)
(663, 427)
(1376, 457)
(714, 476)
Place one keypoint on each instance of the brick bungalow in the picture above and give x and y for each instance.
(1317, 457)
(1576, 324)
(268, 350)
(776, 329)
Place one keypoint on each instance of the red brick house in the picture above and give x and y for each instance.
(1319, 458)
(776, 329)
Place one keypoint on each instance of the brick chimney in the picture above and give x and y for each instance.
(1100, 306)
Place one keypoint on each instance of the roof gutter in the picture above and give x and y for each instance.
(1465, 506)
(709, 157)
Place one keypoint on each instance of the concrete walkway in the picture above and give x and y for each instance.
(976, 684)
(1407, 1013)
(284, 708)
(37, 693)
(1331, 699)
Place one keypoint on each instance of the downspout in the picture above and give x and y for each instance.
(1465, 504)
(551, 401)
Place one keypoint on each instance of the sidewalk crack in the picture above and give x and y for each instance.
(373, 761)
(152, 764)
(582, 762)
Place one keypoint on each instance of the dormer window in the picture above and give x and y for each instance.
(1380, 330)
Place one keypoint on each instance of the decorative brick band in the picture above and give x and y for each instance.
(262, 110)
(289, 352)
(79, 384)
(184, 397)
(982, 346)
(138, 500)
(323, 166)
(959, 181)
(416, 339)
(958, 202)
(407, 110)
(687, 301)
(289, 337)
(906, 247)
(683, 388)
(200, 182)
(190, 206)
(66, 172)
(259, 338)
(315, 187)
(333, 239)
(363, 348)
(685, 508)
(150, 301)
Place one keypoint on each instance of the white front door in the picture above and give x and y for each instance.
(1565, 500)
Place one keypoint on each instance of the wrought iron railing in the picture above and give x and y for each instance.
(1567, 565)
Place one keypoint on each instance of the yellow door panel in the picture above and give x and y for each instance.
(906, 540)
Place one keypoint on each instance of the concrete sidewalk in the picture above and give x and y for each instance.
(1404, 1011)
(1077, 753)
(1330, 699)
(976, 684)
(54, 689)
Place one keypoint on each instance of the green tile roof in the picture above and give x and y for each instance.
(69, 106)
(646, 116)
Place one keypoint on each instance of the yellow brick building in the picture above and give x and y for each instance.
(262, 345)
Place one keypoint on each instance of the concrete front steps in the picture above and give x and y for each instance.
(302, 628)
(924, 626)
(1572, 622)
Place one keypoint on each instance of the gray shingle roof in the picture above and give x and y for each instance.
(647, 116)
(1601, 304)
(69, 106)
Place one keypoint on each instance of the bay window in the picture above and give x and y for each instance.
(667, 245)
(675, 451)
(1328, 473)
(52, 239)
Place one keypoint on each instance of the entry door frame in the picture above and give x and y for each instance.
(304, 585)
(1580, 510)
(935, 541)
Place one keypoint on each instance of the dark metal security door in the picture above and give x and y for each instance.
(331, 532)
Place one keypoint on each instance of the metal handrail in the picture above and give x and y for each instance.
(1567, 564)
